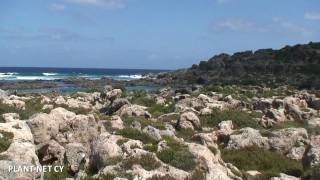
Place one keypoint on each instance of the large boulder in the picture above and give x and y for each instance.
(134, 110)
(114, 94)
(43, 127)
(247, 137)
(76, 155)
(116, 105)
(313, 155)
(152, 132)
(288, 140)
(188, 120)
(104, 148)
(215, 168)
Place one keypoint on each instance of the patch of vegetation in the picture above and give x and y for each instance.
(147, 161)
(177, 155)
(142, 98)
(5, 141)
(32, 106)
(158, 110)
(132, 133)
(159, 177)
(122, 141)
(240, 119)
(57, 175)
(297, 124)
(311, 69)
(143, 121)
(151, 147)
(186, 134)
(269, 163)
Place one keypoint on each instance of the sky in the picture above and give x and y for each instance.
(147, 34)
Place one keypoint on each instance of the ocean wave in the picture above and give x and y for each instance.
(136, 76)
(49, 74)
(7, 74)
(29, 78)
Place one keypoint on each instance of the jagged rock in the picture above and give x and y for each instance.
(207, 139)
(51, 152)
(314, 123)
(10, 117)
(313, 155)
(103, 148)
(114, 94)
(188, 120)
(284, 177)
(206, 111)
(47, 107)
(272, 117)
(130, 145)
(247, 137)
(284, 140)
(160, 100)
(225, 128)
(134, 110)
(262, 104)
(153, 132)
(60, 100)
(43, 127)
(116, 122)
(76, 155)
(45, 100)
(15, 103)
(117, 104)
(215, 170)
(74, 103)
(20, 152)
(6, 174)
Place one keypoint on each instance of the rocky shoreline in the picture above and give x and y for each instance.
(202, 132)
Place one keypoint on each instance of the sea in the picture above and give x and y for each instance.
(39, 73)
(16, 74)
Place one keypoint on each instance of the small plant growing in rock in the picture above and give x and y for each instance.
(5, 140)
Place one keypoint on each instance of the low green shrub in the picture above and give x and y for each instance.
(177, 155)
(147, 161)
(240, 119)
(269, 163)
(5, 141)
(132, 133)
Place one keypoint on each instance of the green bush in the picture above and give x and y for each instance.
(5, 141)
(57, 175)
(240, 119)
(177, 155)
(132, 133)
(269, 163)
(147, 161)
(143, 121)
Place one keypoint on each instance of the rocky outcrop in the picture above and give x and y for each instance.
(188, 120)
(247, 137)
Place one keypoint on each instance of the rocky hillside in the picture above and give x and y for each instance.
(229, 132)
(297, 65)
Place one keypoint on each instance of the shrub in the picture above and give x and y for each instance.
(144, 122)
(186, 134)
(147, 161)
(132, 133)
(240, 119)
(5, 141)
(177, 155)
(269, 163)
(57, 175)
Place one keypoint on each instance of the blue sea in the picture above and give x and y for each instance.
(36, 73)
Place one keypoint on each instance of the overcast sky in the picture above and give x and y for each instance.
(153, 34)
